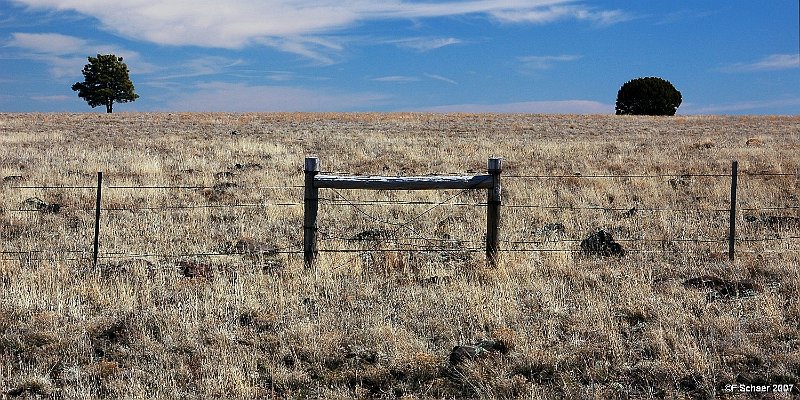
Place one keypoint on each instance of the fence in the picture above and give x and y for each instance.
(493, 244)
(314, 182)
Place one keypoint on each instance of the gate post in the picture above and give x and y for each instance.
(494, 200)
(311, 205)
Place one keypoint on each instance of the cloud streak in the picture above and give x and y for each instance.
(530, 107)
(555, 13)
(234, 97)
(537, 63)
(67, 54)
(738, 107)
(774, 62)
(233, 25)
(396, 79)
(424, 44)
(441, 78)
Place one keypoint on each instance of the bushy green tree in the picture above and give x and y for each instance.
(648, 96)
(106, 82)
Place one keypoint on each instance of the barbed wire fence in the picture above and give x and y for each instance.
(392, 240)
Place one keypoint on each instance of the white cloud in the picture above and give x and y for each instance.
(396, 78)
(424, 44)
(739, 107)
(545, 62)
(543, 15)
(531, 107)
(212, 23)
(48, 43)
(441, 78)
(772, 62)
(202, 66)
(52, 98)
(66, 55)
(232, 97)
(320, 50)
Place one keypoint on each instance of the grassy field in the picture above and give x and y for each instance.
(200, 292)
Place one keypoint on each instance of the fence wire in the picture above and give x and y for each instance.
(408, 243)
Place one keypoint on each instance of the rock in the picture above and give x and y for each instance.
(682, 181)
(12, 179)
(248, 166)
(551, 229)
(372, 234)
(754, 142)
(480, 350)
(774, 222)
(721, 288)
(602, 244)
(249, 247)
(224, 175)
(35, 203)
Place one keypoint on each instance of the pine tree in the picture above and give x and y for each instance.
(106, 82)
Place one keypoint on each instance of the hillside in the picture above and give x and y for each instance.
(201, 290)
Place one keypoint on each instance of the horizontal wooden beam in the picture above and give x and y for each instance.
(404, 182)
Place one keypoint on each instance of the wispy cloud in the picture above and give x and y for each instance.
(230, 97)
(48, 43)
(531, 107)
(738, 107)
(320, 50)
(425, 43)
(441, 78)
(287, 24)
(772, 62)
(548, 14)
(202, 66)
(536, 63)
(685, 15)
(66, 55)
(396, 78)
(52, 98)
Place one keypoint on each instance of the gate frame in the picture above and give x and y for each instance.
(315, 181)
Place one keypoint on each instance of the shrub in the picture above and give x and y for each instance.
(648, 96)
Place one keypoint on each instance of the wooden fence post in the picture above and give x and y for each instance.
(97, 218)
(311, 205)
(732, 232)
(493, 211)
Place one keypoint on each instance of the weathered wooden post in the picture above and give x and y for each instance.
(311, 205)
(97, 219)
(316, 181)
(493, 211)
(732, 232)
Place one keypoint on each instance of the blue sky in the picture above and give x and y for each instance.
(538, 56)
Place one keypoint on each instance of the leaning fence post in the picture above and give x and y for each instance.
(732, 232)
(493, 212)
(97, 218)
(311, 202)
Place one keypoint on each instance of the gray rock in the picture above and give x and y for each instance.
(37, 204)
(480, 350)
(601, 243)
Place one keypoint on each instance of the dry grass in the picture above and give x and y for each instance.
(383, 323)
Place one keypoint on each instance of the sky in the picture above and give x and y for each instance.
(518, 56)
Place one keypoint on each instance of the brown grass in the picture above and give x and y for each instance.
(152, 321)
